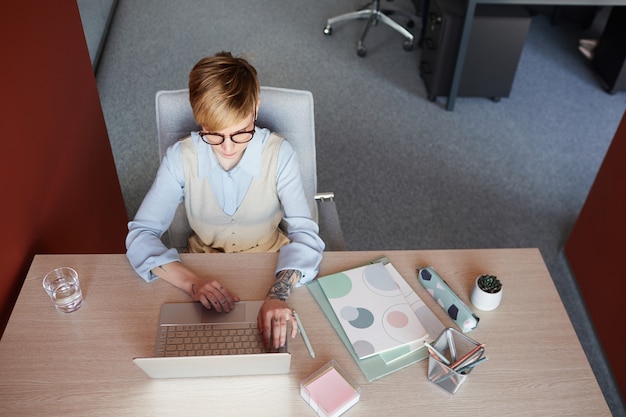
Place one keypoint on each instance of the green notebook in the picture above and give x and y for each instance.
(377, 366)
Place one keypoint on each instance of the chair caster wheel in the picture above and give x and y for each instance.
(361, 51)
(328, 30)
(408, 45)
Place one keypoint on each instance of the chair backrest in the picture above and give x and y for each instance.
(287, 112)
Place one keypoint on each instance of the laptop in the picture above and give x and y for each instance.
(213, 344)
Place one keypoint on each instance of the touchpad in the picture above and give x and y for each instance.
(238, 314)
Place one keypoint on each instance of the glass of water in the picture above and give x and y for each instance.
(63, 287)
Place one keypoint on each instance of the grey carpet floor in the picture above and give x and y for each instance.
(407, 174)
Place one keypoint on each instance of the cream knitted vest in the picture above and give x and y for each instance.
(253, 227)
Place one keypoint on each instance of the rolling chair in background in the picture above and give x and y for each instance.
(289, 113)
(373, 13)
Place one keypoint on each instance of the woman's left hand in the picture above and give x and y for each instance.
(272, 321)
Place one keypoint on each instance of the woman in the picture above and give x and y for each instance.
(238, 182)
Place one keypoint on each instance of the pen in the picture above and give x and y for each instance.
(469, 366)
(307, 342)
(477, 355)
(451, 346)
(436, 353)
(468, 355)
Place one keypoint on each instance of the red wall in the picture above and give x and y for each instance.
(596, 249)
(59, 187)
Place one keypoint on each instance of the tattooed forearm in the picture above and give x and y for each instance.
(285, 280)
(193, 289)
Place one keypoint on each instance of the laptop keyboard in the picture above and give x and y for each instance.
(211, 339)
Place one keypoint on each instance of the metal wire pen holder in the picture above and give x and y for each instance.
(453, 355)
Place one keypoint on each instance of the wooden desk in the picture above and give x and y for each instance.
(80, 364)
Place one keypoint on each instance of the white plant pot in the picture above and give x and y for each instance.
(483, 300)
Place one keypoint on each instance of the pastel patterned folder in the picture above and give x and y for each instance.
(377, 366)
(373, 311)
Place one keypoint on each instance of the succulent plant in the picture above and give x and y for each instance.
(489, 283)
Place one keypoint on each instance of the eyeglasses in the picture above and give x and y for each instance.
(214, 139)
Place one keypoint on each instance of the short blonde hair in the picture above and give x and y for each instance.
(223, 90)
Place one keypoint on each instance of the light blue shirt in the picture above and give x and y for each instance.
(145, 250)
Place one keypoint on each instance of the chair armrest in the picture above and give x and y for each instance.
(328, 220)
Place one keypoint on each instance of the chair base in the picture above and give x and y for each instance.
(373, 14)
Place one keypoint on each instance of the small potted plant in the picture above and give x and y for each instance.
(487, 292)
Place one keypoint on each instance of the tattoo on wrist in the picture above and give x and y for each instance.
(193, 289)
(285, 281)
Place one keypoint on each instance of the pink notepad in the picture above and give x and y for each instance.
(329, 391)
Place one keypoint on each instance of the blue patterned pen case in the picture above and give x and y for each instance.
(447, 299)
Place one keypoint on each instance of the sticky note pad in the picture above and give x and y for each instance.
(330, 391)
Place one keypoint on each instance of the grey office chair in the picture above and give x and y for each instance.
(290, 114)
(373, 13)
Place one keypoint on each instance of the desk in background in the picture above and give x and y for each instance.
(467, 25)
(536, 364)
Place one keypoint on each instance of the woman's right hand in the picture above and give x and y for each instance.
(211, 293)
